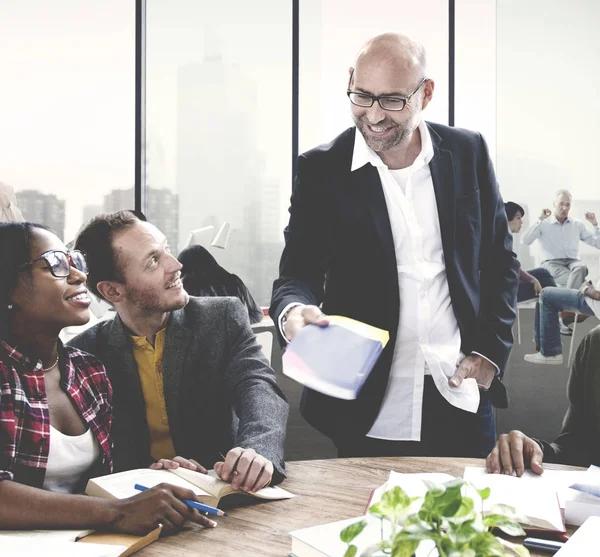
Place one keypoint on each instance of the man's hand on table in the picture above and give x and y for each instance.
(514, 452)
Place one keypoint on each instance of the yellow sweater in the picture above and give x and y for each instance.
(149, 364)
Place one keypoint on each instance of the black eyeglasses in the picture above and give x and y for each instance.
(60, 262)
(365, 100)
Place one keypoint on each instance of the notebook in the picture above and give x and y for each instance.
(334, 360)
(209, 489)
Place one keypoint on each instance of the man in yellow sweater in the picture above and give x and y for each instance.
(188, 376)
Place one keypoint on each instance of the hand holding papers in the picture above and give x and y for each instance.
(334, 360)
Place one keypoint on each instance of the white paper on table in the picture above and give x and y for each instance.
(584, 541)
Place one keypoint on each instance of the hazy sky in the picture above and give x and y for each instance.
(67, 94)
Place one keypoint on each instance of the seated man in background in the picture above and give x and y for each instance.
(178, 365)
(559, 236)
(201, 275)
(585, 301)
(579, 440)
(530, 282)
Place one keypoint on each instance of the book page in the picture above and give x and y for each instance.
(37, 546)
(121, 485)
(556, 480)
(536, 502)
(47, 535)
(210, 483)
(219, 488)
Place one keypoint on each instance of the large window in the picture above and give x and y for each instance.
(331, 33)
(548, 117)
(218, 128)
(66, 108)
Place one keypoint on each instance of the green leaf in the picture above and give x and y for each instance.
(351, 551)
(375, 549)
(484, 493)
(434, 488)
(350, 532)
(404, 547)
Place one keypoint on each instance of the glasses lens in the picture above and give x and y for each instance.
(361, 100)
(79, 262)
(391, 103)
(58, 263)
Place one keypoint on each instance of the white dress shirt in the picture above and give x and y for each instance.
(428, 334)
(560, 241)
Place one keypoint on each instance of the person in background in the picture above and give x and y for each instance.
(201, 275)
(530, 282)
(399, 223)
(190, 381)
(584, 302)
(9, 212)
(55, 401)
(578, 443)
(559, 236)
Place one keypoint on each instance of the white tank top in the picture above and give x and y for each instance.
(70, 456)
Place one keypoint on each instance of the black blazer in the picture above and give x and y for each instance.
(339, 252)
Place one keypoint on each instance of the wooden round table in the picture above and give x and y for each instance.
(326, 491)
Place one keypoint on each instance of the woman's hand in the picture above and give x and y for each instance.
(160, 506)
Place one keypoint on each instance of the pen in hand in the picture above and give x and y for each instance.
(235, 472)
(193, 504)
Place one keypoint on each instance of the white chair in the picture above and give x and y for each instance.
(265, 340)
(525, 304)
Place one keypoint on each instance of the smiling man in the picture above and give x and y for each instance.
(180, 367)
(400, 225)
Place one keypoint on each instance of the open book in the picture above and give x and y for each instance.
(60, 543)
(535, 500)
(209, 489)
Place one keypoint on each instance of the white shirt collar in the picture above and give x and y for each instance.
(363, 154)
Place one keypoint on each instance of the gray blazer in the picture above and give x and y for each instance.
(211, 365)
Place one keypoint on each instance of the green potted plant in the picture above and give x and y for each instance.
(447, 517)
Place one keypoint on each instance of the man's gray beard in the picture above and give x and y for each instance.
(385, 143)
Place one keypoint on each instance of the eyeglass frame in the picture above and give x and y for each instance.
(69, 261)
(377, 98)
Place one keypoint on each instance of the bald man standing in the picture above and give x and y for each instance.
(401, 226)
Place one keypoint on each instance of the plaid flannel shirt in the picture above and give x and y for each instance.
(25, 417)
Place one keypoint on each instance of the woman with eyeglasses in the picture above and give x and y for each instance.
(55, 401)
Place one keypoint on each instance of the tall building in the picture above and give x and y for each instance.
(162, 209)
(43, 208)
(221, 174)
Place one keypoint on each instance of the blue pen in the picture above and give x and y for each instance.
(193, 504)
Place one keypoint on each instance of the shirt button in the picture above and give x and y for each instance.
(43, 441)
(39, 396)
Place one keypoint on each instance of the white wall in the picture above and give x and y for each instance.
(332, 32)
(475, 68)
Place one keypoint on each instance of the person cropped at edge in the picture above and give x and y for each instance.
(55, 401)
(405, 221)
(201, 275)
(559, 235)
(179, 365)
(533, 281)
(578, 443)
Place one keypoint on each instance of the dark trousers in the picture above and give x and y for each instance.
(445, 431)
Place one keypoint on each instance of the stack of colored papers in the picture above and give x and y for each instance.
(334, 360)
